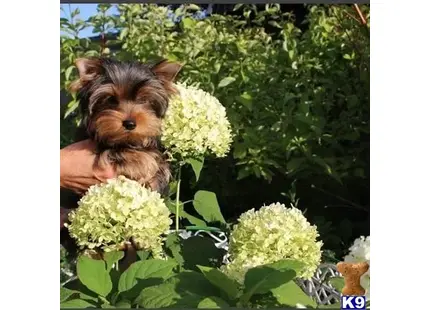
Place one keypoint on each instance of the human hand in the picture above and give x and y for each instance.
(78, 170)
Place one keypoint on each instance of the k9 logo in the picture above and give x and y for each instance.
(353, 302)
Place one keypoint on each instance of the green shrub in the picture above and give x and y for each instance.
(299, 103)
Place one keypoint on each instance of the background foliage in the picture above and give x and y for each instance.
(297, 98)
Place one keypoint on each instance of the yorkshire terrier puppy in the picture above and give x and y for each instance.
(122, 105)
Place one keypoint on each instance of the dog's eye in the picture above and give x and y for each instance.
(111, 101)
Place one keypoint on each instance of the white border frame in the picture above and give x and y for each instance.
(30, 64)
(399, 154)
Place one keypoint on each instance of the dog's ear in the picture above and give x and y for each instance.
(166, 70)
(88, 69)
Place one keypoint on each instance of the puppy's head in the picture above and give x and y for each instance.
(122, 103)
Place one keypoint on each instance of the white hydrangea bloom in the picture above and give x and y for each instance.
(110, 214)
(360, 252)
(270, 234)
(196, 123)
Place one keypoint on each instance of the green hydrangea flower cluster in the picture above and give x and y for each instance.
(113, 213)
(196, 123)
(270, 234)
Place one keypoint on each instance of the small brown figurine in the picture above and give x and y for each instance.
(352, 273)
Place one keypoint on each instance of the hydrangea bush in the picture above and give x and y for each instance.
(196, 124)
(268, 248)
(112, 214)
(270, 234)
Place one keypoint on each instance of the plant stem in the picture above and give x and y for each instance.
(363, 19)
(104, 300)
(185, 202)
(350, 203)
(178, 187)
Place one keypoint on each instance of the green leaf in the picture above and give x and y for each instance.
(240, 151)
(179, 11)
(75, 12)
(186, 289)
(337, 282)
(91, 53)
(76, 303)
(226, 81)
(93, 274)
(217, 67)
(243, 173)
(237, 7)
(213, 302)
(123, 304)
(292, 264)
(201, 251)
(142, 254)
(303, 107)
(290, 294)
(115, 274)
(193, 7)
(275, 24)
(183, 214)
(81, 290)
(173, 248)
(327, 167)
(193, 220)
(188, 23)
(166, 295)
(172, 189)
(153, 268)
(111, 258)
(262, 279)
(87, 297)
(246, 100)
(123, 33)
(197, 165)
(68, 72)
(219, 279)
(294, 65)
(71, 107)
(206, 204)
(66, 293)
(294, 164)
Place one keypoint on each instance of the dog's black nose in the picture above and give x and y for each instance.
(129, 124)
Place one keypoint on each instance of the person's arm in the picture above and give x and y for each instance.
(77, 171)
